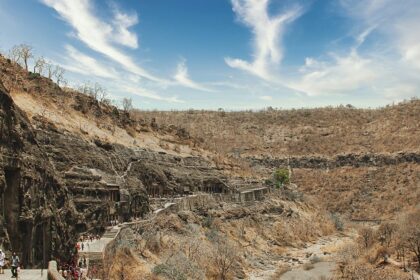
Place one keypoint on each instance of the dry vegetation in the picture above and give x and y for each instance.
(323, 131)
(226, 242)
(87, 112)
(392, 251)
(229, 241)
(364, 193)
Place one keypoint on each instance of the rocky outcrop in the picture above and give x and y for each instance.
(354, 160)
(36, 213)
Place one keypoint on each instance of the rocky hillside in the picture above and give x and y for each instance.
(300, 132)
(65, 152)
(355, 160)
(37, 213)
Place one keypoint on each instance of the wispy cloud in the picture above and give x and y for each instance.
(102, 37)
(150, 94)
(266, 97)
(342, 75)
(81, 63)
(267, 31)
(182, 77)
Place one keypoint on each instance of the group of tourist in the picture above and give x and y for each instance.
(77, 269)
(114, 222)
(89, 237)
(73, 271)
(14, 263)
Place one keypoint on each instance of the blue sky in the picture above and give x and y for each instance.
(232, 54)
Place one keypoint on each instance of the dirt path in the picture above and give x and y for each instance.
(322, 251)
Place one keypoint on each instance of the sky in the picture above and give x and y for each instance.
(230, 54)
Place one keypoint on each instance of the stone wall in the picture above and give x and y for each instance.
(53, 271)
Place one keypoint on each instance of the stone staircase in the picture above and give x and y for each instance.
(110, 233)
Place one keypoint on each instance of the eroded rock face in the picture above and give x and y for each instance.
(36, 213)
(111, 181)
(97, 174)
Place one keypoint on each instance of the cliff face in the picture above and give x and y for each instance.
(36, 215)
(352, 160)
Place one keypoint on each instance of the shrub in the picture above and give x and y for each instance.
(281, 177)
(208, 221)
(338, 223)
(168, 271)
(179, 267)
(34, 75)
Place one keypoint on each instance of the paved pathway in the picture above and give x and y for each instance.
(94, 250)
(26, 274)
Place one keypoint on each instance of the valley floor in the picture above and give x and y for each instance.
(321, 252)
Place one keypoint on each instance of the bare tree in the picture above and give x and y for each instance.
(386, 233)
(15, 54)
(59, 74)
(85, 88)
(224, 256)
(39, 65)
(50, 70)
(411, 234)
(367, 236)
(127, 104)
(22, 53)
(99, 93)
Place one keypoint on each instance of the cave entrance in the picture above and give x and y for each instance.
(38, 250)
(11, 206)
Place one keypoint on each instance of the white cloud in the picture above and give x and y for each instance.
(388, 71)
(266, 97)
(122, 22)
(83, 64)
(267, 32)
(149, 94)
(342, 75)
(101, 36)
(182, 77)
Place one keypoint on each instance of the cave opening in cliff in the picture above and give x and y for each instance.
(39, 251)
(11, 206)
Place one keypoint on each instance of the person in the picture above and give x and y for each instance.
(15, 265)
(83, 246)
(2, 257)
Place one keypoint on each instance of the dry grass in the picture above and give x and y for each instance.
(322, 131)
(370, 193)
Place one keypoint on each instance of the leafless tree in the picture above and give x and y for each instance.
(50, 70)
(224, 256)
(386, 233)
(411, 234)
(367, 236)
(15, 54)
(127, 104)
(192, 247)
(26, 54)
(22, 53)
(59, 74)
(99, 93)
(85, 88)
(39, 65)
